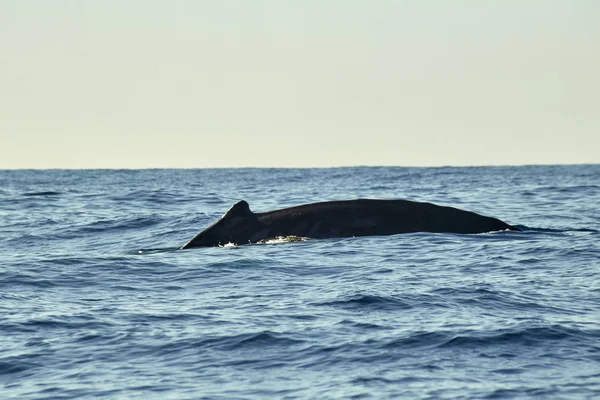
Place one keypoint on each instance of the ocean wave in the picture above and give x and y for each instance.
(487, 298)
(367, 301)
(108, 225)
(532, 336)
(386, 302)
(11, 280)
(41, 194)
(222, 343)
(14, 365)
(418, 315)
(440, 341)
(161, 196)
(565, 189)
(68, 322)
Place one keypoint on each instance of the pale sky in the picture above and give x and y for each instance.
(306, 83)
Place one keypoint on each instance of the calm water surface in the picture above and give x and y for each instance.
(96, 300)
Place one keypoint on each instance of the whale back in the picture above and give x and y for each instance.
(366, 217)
(235, 226)
(332, 219)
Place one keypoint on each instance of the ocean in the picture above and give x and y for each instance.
(97, 300)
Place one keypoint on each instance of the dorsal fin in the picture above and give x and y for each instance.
(239, 209)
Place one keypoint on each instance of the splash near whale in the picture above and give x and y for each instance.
(336, 219)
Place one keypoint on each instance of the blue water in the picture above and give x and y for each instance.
(96, 300)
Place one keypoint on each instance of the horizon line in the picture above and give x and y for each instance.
(287, 167)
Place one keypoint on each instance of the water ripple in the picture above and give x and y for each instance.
(97, 300)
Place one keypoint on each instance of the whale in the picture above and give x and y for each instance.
(339, 219)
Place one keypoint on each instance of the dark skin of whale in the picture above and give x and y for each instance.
(336, 219)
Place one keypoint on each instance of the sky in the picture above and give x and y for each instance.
(298, 83)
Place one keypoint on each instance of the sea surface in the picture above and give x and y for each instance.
(97, 300)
